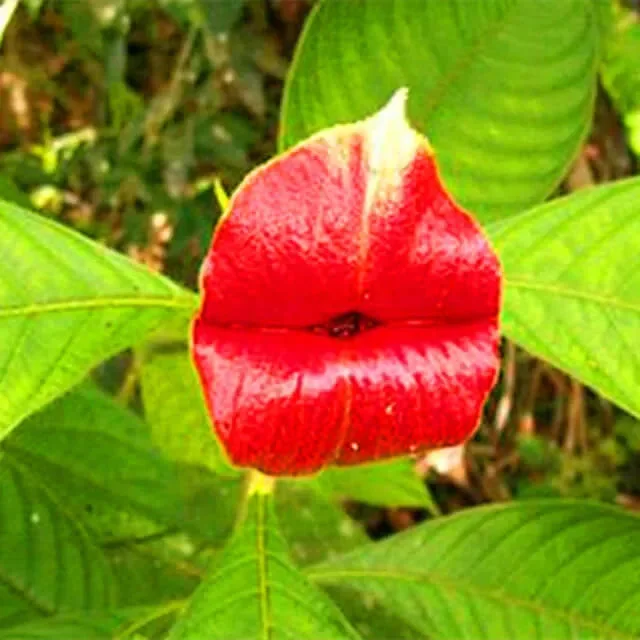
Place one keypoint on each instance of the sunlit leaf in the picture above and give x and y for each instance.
(573, 286)
(550, 569)
(504, 109)
(66, 303)
(255, 591)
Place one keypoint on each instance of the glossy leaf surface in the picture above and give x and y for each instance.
(504, 109)
(530, 570)
(66, 304)
(572, 292)
(256, 592)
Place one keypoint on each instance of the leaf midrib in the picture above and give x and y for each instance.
(266, 623)
(577, 294)
(186, 302)
(334, 576)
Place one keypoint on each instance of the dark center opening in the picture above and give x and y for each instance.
(346, 325)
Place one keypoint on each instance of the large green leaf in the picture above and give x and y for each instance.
(256, 592)
(47, 558)
(96, 458)
(88, 448)
(66, 303)
(550, 569)
(573, 286)
(99, 458)
(504, 107)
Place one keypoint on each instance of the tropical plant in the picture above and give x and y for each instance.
(125, 515)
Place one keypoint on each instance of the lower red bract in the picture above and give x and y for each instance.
(350, 308)
(290, 402)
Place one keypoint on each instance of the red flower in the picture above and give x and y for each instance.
(350, 308)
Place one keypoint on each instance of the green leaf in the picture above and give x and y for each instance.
(371, 620)
(504, 109)
(95, 626)
(99, 458)
(66, 303)
(211, 503)
(621, 72)
(144, 576)
(10, 191)
(549, 569)
(392, 483)
(313, 525)
(47, 558)
(255, 591)
(619, 69)
(14, 609)
(89, 449)
(174, 403)
(573, 286)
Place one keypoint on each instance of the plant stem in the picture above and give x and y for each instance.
(255, 483)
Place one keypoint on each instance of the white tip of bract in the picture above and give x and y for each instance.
(397, 105)
(389, 127)
(391, 145)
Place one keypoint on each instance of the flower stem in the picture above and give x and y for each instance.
(255, 483)
(259, 483)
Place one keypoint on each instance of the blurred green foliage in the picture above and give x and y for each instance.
(113, 111)
(621, 72)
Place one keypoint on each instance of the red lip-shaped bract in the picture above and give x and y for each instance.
(349, 308)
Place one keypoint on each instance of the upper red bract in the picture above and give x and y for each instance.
(349, 308)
